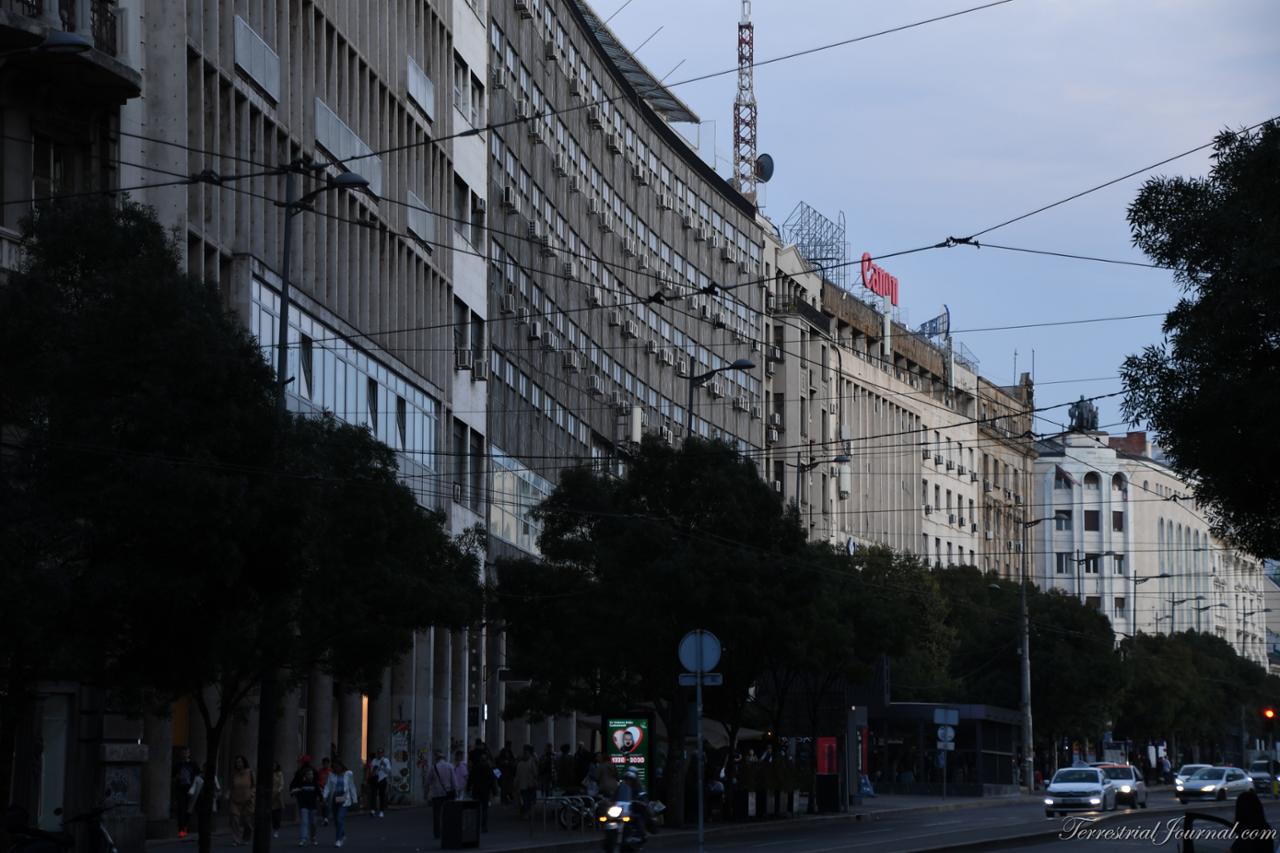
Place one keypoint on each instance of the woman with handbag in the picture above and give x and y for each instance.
(341, 792)
(240, 805)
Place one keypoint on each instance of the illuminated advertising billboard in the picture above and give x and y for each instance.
(627, 746)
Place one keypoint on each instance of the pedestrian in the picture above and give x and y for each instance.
(381, 779)
(240, 807)
(307, 794)
(322, 779)
(1251, 816)
(482, 783)
(507, 773)
(277, 800)
(184, 774)
(461, 772)
(441, 790)
(591, 778)
(567, 776)
(526, 780)
(193, 797)
(341, 793)
(546, 770)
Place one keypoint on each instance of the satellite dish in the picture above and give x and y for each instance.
(764, 168)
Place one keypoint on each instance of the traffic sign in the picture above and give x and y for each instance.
(709, 679)
(946, 745)
(946, 717)
(699, 651)
(946, 733)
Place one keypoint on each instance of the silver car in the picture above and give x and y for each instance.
(1214, 783)
(1125, 778)
(1079, 789)
(1186, 771)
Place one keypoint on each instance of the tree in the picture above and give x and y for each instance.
(1208, 390)
(165, 528)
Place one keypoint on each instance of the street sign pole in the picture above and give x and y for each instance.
(702, 773)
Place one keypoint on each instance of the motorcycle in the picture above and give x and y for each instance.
(627, 824)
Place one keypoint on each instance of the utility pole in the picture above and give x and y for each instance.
(1028, 742)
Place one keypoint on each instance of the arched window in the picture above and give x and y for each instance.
(1121, 485)
(1092, 482)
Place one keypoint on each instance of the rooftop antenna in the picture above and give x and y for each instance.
(744, 109)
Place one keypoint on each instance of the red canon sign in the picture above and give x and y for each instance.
(878, 281)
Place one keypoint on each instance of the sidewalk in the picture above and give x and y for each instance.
(409, 827)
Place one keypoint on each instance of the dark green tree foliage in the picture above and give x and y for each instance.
(165, 530)
(1210, 390)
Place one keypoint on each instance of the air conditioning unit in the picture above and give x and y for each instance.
(537, 134)
(950, 465)
(769, 368)
(951, 518)
(715, 388)
(960, 522)
(686, 221)
(593, 117)
(630, 248)
(575, 183)
(701, 233)
(631, 329)
(682, 367)
(973, 476)
(713, 240)
(777, 486)
(549, 49)
(615, 319)
(986, 486)
(740, 403)
(508, 303)
(960, 470)
(924, 454)
(665, 433)
(575, 88)
(988, 534)
(498, 77)
(928, 510)
(616, 399)
(937, 459)
(776, 419)
(463, 358)
(595, 296)
(756, 413)
(612, 142)
(664, 200)
(595, 386)
(607, 222)
(561, 163)
(651, 346)
(523, 109)
(705, 311)
(973, 528)
(535, 330)
(1017, 499)
(774, 353)
(1008, 495)
(522, 316)
(719, 319)
(570, 270)
(510, 197)
(667, 357)
(536, 231)
(641, 175)
(643, 266)
(728, 255)
(572, 360)
(594, 206)
(551, 341)
(771, 436)
(480, 371)
(523, 10)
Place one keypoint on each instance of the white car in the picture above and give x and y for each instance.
(1125, 778)
(1079, 789)
(1186, 771)
(1214, 783)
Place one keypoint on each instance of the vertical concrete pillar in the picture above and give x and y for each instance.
(458, 691)
(565, 731)
(441, 689)
(351, 730)
(244, 734)
(157, 774)
(319, 715)
(380, 716)
(423, 709)
(195, 732)
(289, 739)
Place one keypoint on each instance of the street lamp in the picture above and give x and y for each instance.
(703, 378)
(806, 467)
(292, 207)
(1028, 741)
(1173, 612)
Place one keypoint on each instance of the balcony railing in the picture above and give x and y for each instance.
(102, 18)
(30, 8)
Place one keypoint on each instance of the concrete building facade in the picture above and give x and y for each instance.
(1124, 534)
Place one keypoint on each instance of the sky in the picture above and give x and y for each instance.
(946, 129)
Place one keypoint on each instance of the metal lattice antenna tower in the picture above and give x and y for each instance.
(744, 109)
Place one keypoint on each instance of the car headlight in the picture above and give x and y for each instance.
(1208, 787)
(1095, 801)
(1048, 801)
(1125, 789)
(614, 811)
(1179, 786)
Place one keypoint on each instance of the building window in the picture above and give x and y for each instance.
(306, 356)
(1091, 563)
(1062, 519)
(1092, 521)
(1061, 480)
(1092, 482)
(1093, 601)
(1120, 605)
(1117, 521)
(1062, 563)
(1118, 562)
(371, 397)
(402, 422)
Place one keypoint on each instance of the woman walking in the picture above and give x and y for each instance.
(241, 801)
(307, 793)
(341, 791)
(277, 800)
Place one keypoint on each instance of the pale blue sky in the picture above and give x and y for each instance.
(949, 128)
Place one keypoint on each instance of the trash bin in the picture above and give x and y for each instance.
(827, 792)
(460, 826)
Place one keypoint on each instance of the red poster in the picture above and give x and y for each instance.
(827, 762)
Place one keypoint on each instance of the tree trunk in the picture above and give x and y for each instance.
(268, 712)
(10, 714)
